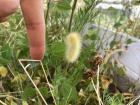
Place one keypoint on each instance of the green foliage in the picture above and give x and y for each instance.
(121, 71)
(129, 41)
(66, 80)
(56, 51)
(85, 15)
(65, 5)
(113, 100)
(7, 53)
(30, 92)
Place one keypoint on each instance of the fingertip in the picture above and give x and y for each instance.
(3, 19)
(37, 53)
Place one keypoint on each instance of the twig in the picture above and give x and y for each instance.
(11, 37)
(50, 86)
(87, 100)
(111, 53)
(10, 70)
(2, 103)
(47, 12)
(97, 90)
(98, 87)
(131, 103)
(29, 60)
(99, 99)
(72, 13)
(20, 61)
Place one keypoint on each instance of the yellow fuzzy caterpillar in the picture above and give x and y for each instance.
(73, 47)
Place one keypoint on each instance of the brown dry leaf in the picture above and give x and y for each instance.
(3, 71)
(88, 74)
(105, 82)
(98, 60)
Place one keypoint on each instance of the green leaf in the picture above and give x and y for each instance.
(129, 41)
(117, 24)
(28, 93)
(44, 91)
(4, 61)
(92, 34)
(113, 43)
(6, 52)
(121, 71)
(56, 52)
(64, 5)
(68, 91)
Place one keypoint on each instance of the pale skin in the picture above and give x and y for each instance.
(34, 19)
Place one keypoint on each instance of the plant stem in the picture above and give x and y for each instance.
(137, 98)
(47, 12)
(2, 103)
(97, 88)
(50, 86)
(72, 13)
(66, 69)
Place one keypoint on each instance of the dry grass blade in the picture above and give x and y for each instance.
(50, 86)
(24, 68)
(131, 103)
(111, 53)
(96, 88)
(2, 103)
